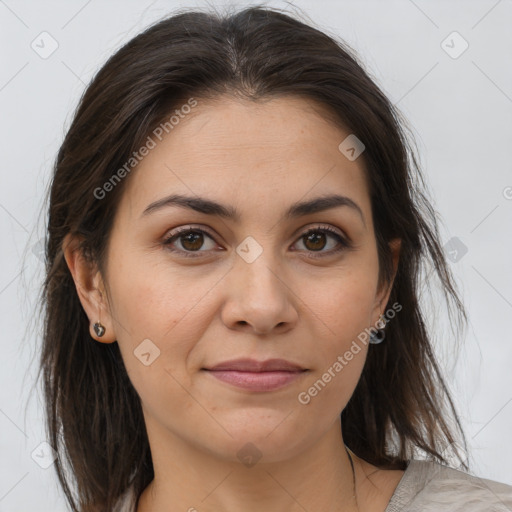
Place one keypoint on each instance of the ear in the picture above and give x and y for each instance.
(90, 288)
(382, 299)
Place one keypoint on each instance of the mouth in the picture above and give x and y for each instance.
(257, 376)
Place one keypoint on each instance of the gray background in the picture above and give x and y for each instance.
(460, 110)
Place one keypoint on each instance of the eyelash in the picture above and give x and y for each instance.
(343, 243)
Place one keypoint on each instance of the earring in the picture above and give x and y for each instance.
(378, 337)
(99, 329)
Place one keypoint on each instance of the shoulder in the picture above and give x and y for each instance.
(428, 486)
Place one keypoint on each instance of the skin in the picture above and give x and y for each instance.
(258, 158)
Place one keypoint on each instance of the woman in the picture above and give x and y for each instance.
(235, 237)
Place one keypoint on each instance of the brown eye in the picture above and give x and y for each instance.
(191, 241)
(316, 239)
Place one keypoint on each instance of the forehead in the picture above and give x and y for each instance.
(277, 150)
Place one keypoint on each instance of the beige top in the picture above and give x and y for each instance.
(426, 487)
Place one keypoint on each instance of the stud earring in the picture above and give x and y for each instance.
(378, 337)
(99, 329)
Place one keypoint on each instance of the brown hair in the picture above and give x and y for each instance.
(93, 413)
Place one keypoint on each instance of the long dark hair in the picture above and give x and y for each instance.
(93, 414)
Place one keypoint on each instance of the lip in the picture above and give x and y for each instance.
(258, 376)
(252, 365)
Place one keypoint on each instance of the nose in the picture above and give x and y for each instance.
(258, 298)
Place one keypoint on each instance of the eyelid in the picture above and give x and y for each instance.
(185, 229)
(321, 227)
(175, 234)
(344, 242)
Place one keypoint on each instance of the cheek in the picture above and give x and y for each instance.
(154, 297)
(161, 311)
(344, 300)
(340, 351)
(342, 307)
(157, 334)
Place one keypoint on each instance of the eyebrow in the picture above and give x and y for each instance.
(209, 207)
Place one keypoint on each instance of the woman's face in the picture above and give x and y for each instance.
(244, 282)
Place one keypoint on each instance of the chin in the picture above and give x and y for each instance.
(269, 443)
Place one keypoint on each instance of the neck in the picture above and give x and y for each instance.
(320, 477)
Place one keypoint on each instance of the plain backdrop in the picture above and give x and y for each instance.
(454, 89)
